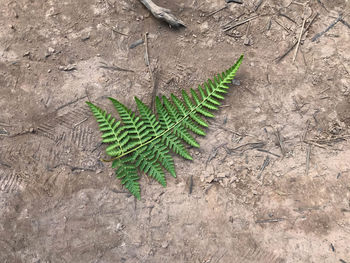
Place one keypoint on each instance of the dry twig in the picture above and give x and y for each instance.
(308, 151)
(345, 23)
(272, 220)
(280, 142)
(190, 187)
(162, 13)
(154, 91)
(301, 34)
(234, 1)
(278, 59)
(265, 164)
(258, 4)
(266, 151)
(116, 68)
(240, 23)
(214, 153)
(216, 11)
(318, 35)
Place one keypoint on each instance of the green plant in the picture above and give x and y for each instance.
(143, 142)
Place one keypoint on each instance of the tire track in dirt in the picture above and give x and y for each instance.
(9, 181)
(47, 126)
(63, 140)
(260, 256)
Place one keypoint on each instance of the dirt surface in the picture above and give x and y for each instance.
(271, 180)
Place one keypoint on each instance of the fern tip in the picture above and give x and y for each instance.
(89, 103)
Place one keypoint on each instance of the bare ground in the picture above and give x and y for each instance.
(271, 181)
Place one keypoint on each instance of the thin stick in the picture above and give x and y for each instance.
(278, 59)
(266, 151)
(278, 135)
(303, 138)
(321, 4)
(214, 153)
(280, 24)
(150, 70)
(345, 23)
(214, 12)
(284, 15)
(246, 37)
(308, 151)
(223, 26)
(105, 66)
(318, 35)
(70, 103)
(146, 49)
(301, 34)
(265, 164)
(241, 23)
(258, 5)
(272, 220)
(315, 144)
(324, 90)
(190, 185)
(245, 147)
(80, 122)
(114, 30)
(234, 1)
(297, 3)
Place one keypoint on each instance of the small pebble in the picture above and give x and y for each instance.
(236, 82)
(69, 67)
(165, 244)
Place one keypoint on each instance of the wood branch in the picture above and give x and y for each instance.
(162, 13)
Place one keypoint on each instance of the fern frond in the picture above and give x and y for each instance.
(143, 142)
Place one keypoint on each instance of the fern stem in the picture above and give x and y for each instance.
(228, 77)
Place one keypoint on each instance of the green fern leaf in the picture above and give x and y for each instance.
(143, 142)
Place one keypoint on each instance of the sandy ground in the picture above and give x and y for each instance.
(271, 180)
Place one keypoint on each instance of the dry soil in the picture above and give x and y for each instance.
(271, 180)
